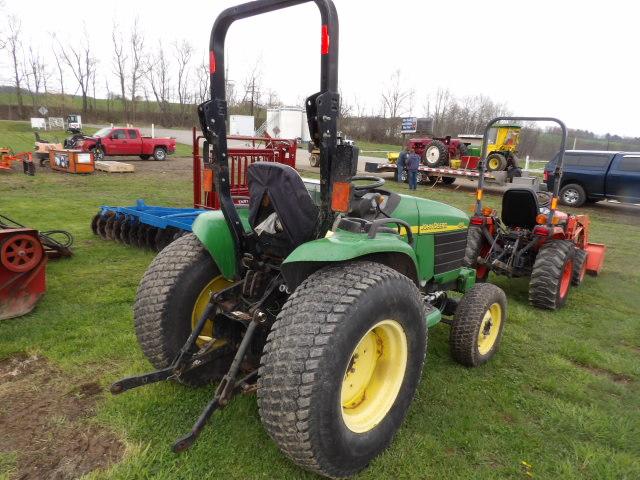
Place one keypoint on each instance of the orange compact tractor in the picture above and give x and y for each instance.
(531, 238)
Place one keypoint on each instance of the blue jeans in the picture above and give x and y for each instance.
(413, 179)
(400, 167)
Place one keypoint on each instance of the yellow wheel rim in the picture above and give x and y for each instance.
(493, 163)
(489, 328)
(374, 376)
(215, 285)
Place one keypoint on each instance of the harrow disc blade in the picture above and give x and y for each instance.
(108, 228)
(124, 230)
(94, 223)
(142, 235)
(116, 227)
(150, 238)
(102, 222)
(133, 234)
(163, 238)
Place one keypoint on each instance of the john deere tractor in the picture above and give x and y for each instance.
(321, 306)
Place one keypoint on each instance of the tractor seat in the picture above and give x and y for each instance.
(520, 208)
(274, 187)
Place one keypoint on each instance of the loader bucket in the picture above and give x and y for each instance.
(595, 257)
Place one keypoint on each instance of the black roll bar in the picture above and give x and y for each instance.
(322, 107)
(557, 173)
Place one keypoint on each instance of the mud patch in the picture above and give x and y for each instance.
(43, 422)
(619, 378)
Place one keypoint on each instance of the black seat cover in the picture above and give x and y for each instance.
(288, 196)
(520, 208)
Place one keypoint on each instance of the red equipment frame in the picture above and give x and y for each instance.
(259, 149)
(23, 263)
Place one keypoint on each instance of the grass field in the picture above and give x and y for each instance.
(560, 400)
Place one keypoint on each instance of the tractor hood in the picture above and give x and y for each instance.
(429, 217)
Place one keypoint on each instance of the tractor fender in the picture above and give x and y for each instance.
(342, 247)
(212, 230)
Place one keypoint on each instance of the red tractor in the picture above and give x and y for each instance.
(531, 238)
(435, 152)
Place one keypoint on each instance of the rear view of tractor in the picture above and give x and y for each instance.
(531, 238)
(320, 305)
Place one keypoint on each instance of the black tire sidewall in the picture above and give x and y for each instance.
(341, 445)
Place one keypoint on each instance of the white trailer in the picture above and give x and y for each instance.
(243, 125)
(286, 122)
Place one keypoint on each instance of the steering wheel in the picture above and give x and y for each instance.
(376, 182)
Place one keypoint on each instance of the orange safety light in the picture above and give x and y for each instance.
(554, 203)
(340, 197)
(207, 180)
(479, 194)
(541, 219)
(487, 211)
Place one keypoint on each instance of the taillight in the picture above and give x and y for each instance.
(546, 175)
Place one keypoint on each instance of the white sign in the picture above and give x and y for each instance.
(38, 123)
(84, 158)
(56, 123)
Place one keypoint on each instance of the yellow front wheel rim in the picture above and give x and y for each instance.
(493, 164)
(373, 376)
(489, 328)
(215, 285)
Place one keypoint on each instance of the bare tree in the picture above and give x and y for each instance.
(82, 64)
(136, 42)
(183, 53)
(35, 74)
(252, 86)
(120, 64)
(60, 66)
(14, 45)
(202, 82)
(157, 74)
(394, 98)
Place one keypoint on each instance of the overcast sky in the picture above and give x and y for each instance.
(575, 60)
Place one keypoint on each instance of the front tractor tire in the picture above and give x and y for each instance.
(478, 324)
(552, 274)
(172, 293)
(496, 162)
(341, 366)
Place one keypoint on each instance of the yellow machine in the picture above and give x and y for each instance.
(502, 147)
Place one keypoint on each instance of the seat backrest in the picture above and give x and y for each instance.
(520, 208)
(288, 197)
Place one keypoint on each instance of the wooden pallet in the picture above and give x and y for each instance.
(114, 167)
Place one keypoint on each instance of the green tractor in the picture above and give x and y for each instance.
(320, 305)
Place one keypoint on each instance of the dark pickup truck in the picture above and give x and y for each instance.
(591, 176)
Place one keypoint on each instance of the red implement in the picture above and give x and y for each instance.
(22, 271)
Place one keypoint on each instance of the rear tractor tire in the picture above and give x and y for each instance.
(341, 366)
(171, 297)
(476, 246)
(551, 276)
(436, 154)
(478, 324)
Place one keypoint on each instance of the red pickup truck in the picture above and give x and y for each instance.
(126, 141)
